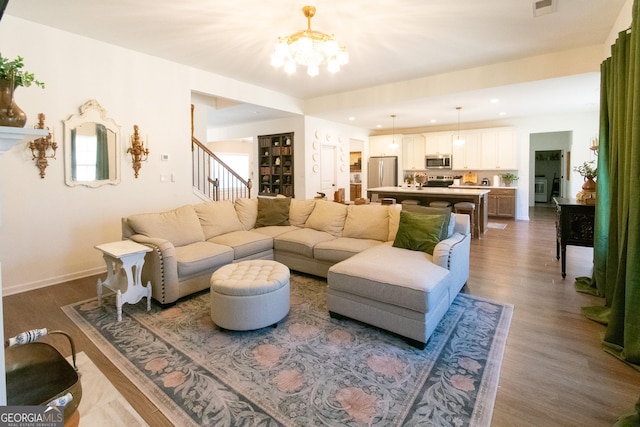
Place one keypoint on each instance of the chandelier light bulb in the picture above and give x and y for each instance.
(313, 70)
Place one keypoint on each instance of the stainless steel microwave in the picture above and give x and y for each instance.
(438, 161)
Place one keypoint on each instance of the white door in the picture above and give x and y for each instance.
(328, 170)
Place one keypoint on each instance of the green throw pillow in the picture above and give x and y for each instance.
(418, 231)
(445, 212)
(273, 211)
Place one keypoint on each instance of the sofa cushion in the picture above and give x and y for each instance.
(179, 226)
(328, 217)
(247, 210)
(201, 256)
(273, 211)
(419, 232)
(445, 212)
(301, 241)
(275, 230)
(244, 243)
(339, 249)
(367, 222)
(217, 218)
(299, 211)
(394, 276)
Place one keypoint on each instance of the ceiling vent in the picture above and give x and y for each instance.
(544, 7)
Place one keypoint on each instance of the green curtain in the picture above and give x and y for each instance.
(617, 232)
(616, 274)
(102, 152)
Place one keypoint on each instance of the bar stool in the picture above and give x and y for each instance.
(440, 204)
(469, 209)
(410, 202)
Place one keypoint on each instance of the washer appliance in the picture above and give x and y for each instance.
(541, 189)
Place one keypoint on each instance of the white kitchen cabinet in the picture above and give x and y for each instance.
(499, 149)
(413, 152)
(467, 156)
(383, 145)
(438, 142)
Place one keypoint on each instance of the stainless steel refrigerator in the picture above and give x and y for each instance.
(382, 171)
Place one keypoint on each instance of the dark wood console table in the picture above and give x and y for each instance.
(574, 226)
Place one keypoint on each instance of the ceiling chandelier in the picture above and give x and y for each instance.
(309, 48)
(458, 140)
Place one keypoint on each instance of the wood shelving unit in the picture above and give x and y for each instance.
(276, 164)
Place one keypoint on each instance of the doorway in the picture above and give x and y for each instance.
(548, 173)
(547, 168)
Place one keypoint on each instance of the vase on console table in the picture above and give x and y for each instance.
(588, 193)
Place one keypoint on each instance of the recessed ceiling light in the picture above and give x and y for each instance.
(503, 113)
(378, 126)
(494, 100)
(434, 120)
(351, 118)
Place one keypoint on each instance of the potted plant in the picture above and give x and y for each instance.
(12, 75)
(508, 178)
(588, 171)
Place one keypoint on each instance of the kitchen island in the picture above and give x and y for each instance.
(429, 194)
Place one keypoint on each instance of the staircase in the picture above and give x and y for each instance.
(213, 178)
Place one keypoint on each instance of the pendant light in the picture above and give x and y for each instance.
(393, 127)
(458, 140)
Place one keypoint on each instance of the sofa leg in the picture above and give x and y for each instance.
(414, 343)
(337, 316)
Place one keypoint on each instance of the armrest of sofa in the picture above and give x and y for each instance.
(160, 267)
(453, 254)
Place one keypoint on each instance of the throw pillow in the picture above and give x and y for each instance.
(418, 231)
(328, 217)
(247, 210)
(299, 211)
(179, 226)
(367, 222)
(445, 212)
(218, 218)
(273, 211)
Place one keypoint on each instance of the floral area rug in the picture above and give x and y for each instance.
(310, 370)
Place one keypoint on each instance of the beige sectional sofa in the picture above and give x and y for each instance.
(191, 242)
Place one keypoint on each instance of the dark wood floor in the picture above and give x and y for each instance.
(554, 372)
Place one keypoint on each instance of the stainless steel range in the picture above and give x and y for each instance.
(439, 181)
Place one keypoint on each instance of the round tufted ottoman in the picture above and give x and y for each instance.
(249, 295)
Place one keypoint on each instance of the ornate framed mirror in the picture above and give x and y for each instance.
(91, 147)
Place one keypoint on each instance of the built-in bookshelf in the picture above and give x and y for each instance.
(276, 164)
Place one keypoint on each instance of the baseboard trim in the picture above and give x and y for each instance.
(24, 287)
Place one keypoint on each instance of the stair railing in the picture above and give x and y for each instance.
(213, 178)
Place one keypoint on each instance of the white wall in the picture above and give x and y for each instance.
(48, 230)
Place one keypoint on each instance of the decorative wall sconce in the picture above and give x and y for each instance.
(138, 151)
(595, 145)
(40, 146)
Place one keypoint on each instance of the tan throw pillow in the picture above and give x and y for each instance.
(394, 221)
(247, 210)
(328, 217)
(299, 211)
(218, 218)
(273, 211)
(179, 226)
(367, 222)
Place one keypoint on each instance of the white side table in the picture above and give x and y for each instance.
(124, 261)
